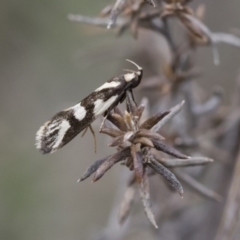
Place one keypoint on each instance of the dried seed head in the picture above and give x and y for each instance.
(136, 144)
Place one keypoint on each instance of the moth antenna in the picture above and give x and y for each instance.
(128, 70)
(139, 68)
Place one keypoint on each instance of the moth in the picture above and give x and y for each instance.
(67, 124)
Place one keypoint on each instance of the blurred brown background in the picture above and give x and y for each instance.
(48, 63)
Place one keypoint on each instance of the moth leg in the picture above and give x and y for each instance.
(132, 97)
(84, 132)
(130, 102)
(122, 98)
(119, 98)
(104, 119)
(94, 137)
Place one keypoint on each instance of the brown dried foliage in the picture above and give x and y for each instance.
(136, 135)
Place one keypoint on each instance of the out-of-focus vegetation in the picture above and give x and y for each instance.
(48, 63)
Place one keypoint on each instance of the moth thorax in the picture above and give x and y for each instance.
(134, 78)
(129, 76)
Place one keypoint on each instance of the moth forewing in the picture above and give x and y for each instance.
(65, 125)
(60, 129)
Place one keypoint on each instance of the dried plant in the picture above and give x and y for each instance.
(136, 142)
(203, 127)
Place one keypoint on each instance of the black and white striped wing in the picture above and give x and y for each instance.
(65, 125)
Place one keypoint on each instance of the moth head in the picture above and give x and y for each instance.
(134, 77)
